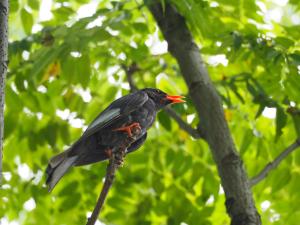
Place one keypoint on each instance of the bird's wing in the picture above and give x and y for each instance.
(116, 110)
(96, 155)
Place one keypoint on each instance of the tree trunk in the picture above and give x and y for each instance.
(239, 201)
(3, 68)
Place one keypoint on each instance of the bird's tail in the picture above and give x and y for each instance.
(57, 167)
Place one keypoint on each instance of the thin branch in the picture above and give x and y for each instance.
(182, 124)
(129, 71)
(272, 165)
(114, 163)
(195, 133)
(109, 178)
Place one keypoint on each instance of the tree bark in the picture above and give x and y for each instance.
(239, 201)
(3, 68)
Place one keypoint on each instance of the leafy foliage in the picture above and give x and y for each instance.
(64, 70)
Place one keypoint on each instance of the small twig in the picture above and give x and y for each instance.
(182, 124)
(272, 165)
(129, 71)
(114, 163)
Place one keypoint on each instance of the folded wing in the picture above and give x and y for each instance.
(122, 107)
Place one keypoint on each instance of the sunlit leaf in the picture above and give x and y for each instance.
(27, 21)
(281, 119)
(34, 4)
(165, 120)
(246, 141)
(13, 6)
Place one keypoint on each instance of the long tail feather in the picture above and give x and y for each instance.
(57, 167)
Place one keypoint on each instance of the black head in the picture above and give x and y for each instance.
(162, 99)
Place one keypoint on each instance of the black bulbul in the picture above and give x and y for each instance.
(110, 129)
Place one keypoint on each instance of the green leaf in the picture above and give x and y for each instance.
(296, 58)
(141, 27)
(235, 91)
(247, 139)
(281, 119)
(77, 70)
(13, 6)
(48, 55)
(102, 35)
(139, 53)
(237, 40)
(63, 13)
(83, 70)
(11, 120)
(251, 89)
(297, 158)
(281, 179)
(51, 134)
(260, 110)
(292, 87)
(164, 120)
(34, 4)
(27, 21)
(293, 30)
(19, 81)
(70, 202)
(296, 121)
(65, 133)
(32, 142)
(69, 189)
(111, 93)
(13, 100)
(284, 41)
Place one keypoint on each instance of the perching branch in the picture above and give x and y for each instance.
(109, 178)
(272, 165)
(195, 133)
(115, 162)
(3, 69)
(239, 201)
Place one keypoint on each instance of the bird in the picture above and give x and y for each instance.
(109, 129)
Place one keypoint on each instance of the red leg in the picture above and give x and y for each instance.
(128, 129)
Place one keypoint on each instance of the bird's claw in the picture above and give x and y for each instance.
(133, 128)
(136, 130)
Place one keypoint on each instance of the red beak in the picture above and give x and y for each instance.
(175, 98)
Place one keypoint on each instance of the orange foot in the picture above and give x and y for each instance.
(128, 129)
